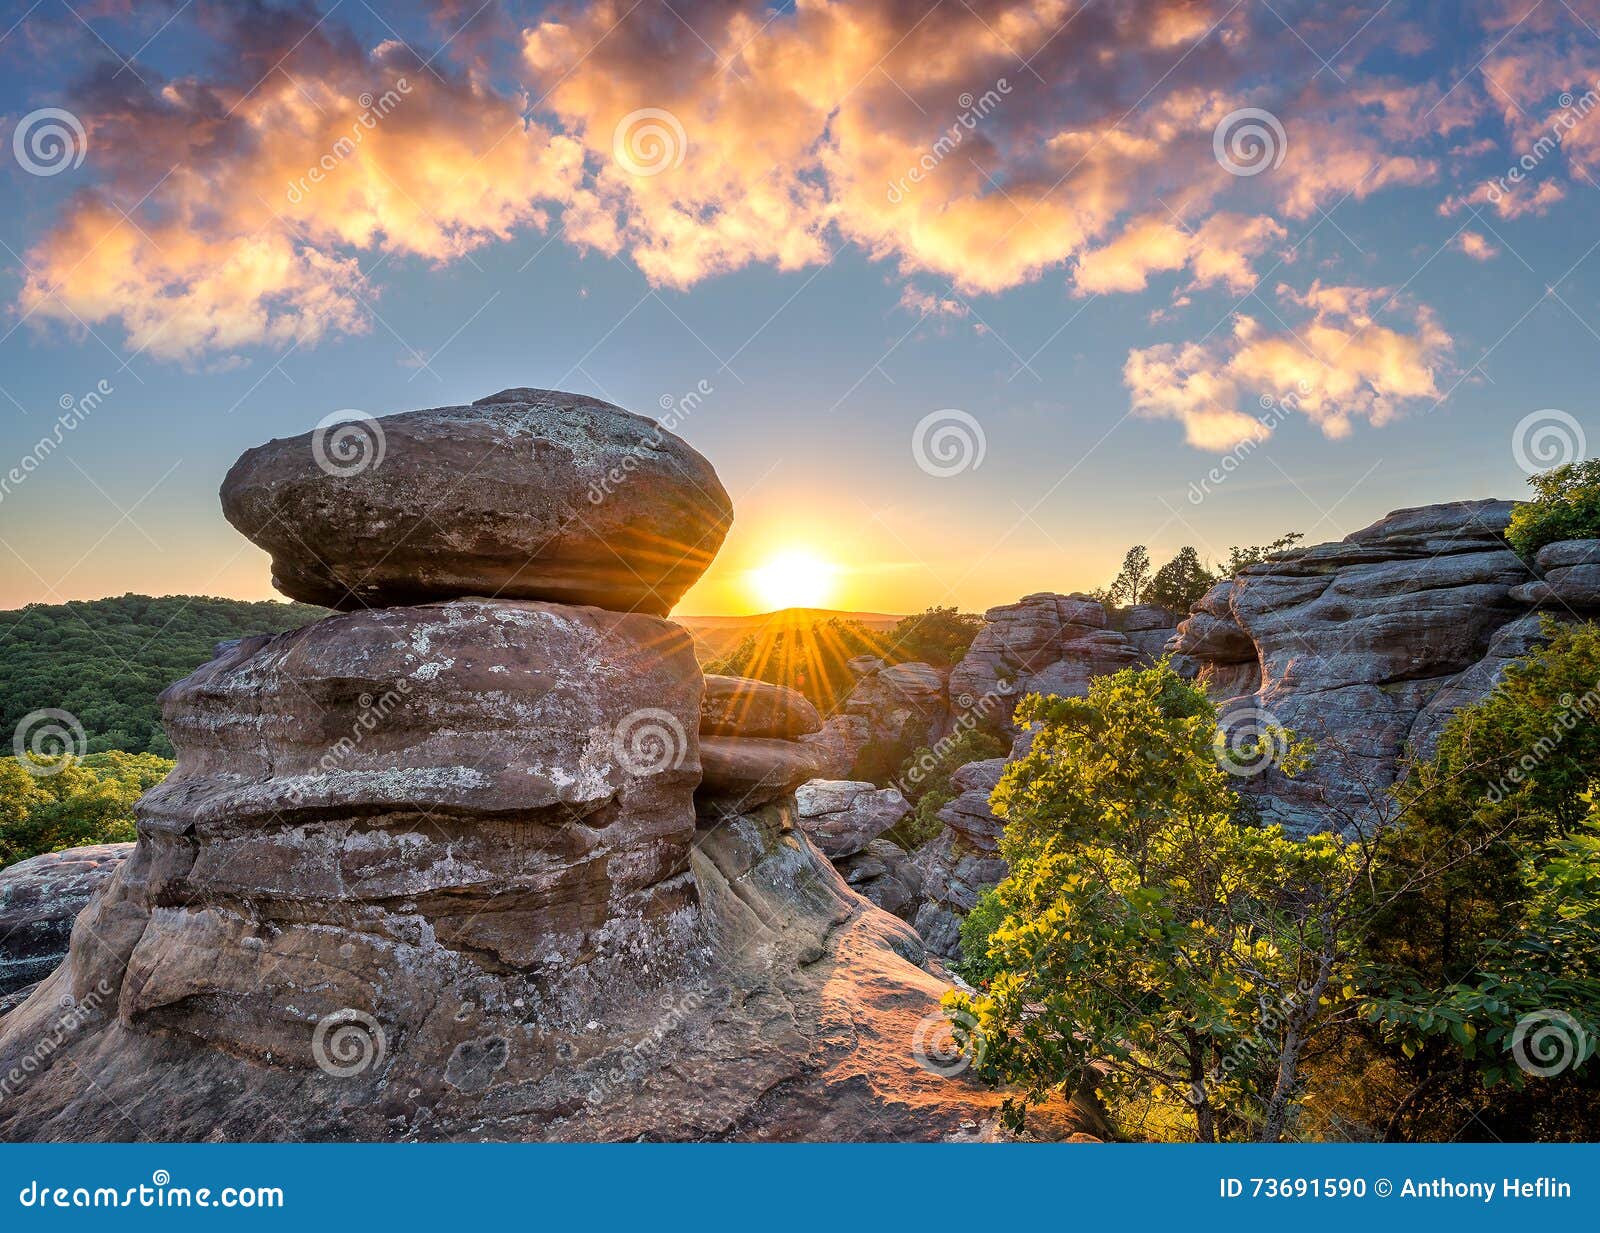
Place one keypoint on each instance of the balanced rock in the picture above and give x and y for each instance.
(39, 899)
(843, 816)
(526, 494)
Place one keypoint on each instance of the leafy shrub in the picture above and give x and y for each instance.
(1179, 584)
(925, 780)
(81, 801)
(937, 636)
(1567, 507)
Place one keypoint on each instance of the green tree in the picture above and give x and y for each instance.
(810, 657)
(1567, 507)
(1179, 584)
(924, 780)
(1239, 557)
(937, 636)
(1128, 587)
(1146, 941)
(79, 801)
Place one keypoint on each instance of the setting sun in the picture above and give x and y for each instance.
(796, 578)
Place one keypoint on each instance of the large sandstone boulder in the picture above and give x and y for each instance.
(1350, 644)
(842, 816)
(39, 899)
(526, 494)
(740, 773)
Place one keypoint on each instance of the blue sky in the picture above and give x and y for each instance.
(1082, 277)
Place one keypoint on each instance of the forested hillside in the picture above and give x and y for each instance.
(105, 660)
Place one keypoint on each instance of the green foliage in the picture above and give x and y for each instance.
(1567, 507)
(81, 801)
(937, 636)
(1179, 584)
(977, 927)
(925, 781)
(1239, 557)
(1128, 587)
(105, 660)
(1145, 941)
(1487, 908)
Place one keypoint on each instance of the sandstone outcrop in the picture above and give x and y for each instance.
(887, 875)
(447, 870)
(1569, 579)
(1047, 643)
(842, 816)
(526, 494)
(39, 899)
(1362, 647)
(962, 860)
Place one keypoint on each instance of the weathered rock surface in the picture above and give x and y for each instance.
(39, 899)
(1571, 578)
(962, 860)
(842, 816)
(526, 494)
(885, 873)
(890, 712)
(740, 773)
(1046, 643)
(1351, 644)
(738, 706)
(791, 1011)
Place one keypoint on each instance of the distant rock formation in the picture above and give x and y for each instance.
(1365, 647)
(488, 859)
(842, 816)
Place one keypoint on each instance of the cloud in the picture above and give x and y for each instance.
(1337, 363)
(1476, 246)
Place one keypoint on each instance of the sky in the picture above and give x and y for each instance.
(960, 298)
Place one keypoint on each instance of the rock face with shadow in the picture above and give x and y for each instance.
(1364, 647)
(452, 869)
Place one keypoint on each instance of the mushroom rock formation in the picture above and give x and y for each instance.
(526, 494)
(436, 870)
(39, 899)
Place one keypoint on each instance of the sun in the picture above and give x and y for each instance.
(794, 578)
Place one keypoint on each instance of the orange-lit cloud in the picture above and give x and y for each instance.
(979, 146)
(1338, 363)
